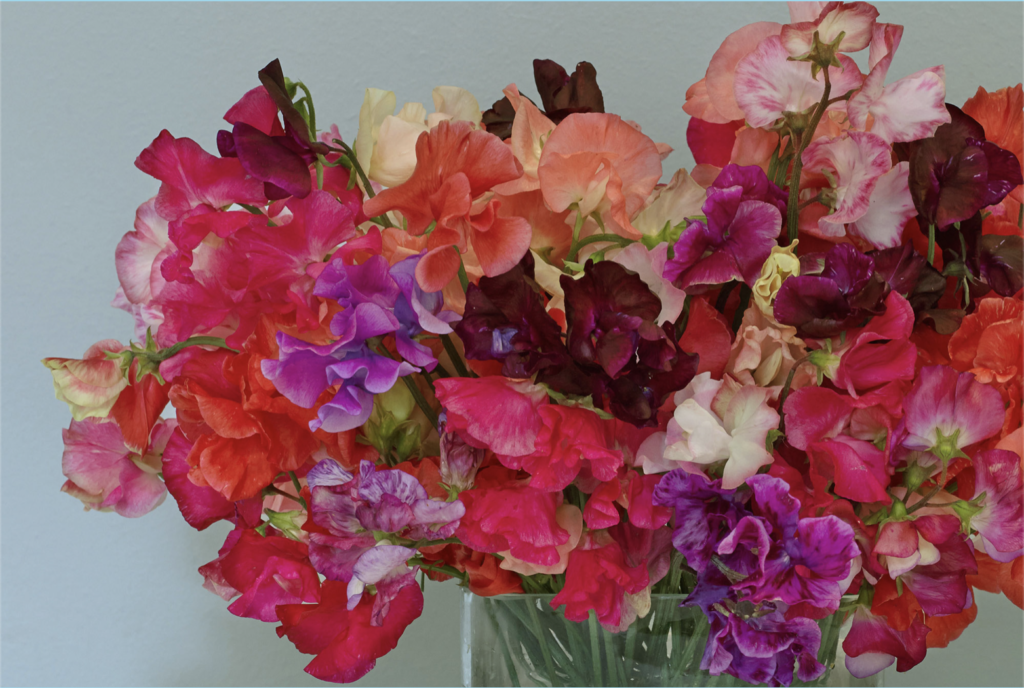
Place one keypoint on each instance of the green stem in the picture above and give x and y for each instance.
(723, 297)
(463, 277)
(513, 675)
(793, 207)
(164, 354)
(1020, 217)
(684, 318)
(934, 491)
(630, 649)
(609, 657)
(574, 247)
(440, 568)
(597, 238)
(595, 649)
(298, 489)
(543, 640)
(460, 367)
(931, 244)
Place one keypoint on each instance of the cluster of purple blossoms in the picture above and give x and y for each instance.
(364, 516)
(764, 573)
(378, 300)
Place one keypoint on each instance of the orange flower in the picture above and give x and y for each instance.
(988, 342)
(455, 166)
(603, 165)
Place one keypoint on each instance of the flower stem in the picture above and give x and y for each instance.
(574, 247)
(793, 208)
(298, 489)
(931, 244)
(453, 353)
(934, 491)
(595, 648)
(785, 392)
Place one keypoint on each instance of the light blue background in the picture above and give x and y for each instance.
(95, 599)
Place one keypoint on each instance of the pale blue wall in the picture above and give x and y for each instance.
(94, 599)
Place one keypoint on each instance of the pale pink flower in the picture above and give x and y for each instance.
(850, 23)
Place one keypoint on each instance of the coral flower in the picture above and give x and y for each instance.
(455, 165)
(603, 165)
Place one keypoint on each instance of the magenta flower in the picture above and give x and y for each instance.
(1000, 523)
(873, 644)
(744, 216)
(946, 411)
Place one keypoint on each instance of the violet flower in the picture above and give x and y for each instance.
(378, 301)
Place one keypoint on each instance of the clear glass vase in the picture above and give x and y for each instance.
(519, 640)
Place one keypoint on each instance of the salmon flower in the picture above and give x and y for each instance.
(90, 385)
(602, 165)
(455, 166)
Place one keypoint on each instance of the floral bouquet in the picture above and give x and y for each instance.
(782, 390)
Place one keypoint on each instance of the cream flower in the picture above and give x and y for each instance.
(386, 143)
(781, 264)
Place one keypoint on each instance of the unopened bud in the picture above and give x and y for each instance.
(459, 461)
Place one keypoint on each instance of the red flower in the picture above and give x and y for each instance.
(346, 643)
(597, 578)
(518, 518)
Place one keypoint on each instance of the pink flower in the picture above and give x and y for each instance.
(853, 163)
(1000, 523)
(907, 110)
(104, 474)
(946, 412)
(873, 644)
(493, 413)
(890, 208)
(849, 23)
(769, 84)
(519, 519)
(347, 643)
(881, 351)
(568, 517)
(601, 164)
(712, 99)
(763, 356)
(89, 385)
(530, 130)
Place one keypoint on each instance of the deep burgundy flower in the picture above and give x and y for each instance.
(505, 320)
(560, 95)
(843, 295)
(908, 274)
(956, 172)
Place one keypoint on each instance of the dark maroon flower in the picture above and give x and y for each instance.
(505, 320)
(846, 292)
(744, 215)
(561, 95)
(909, 275)
(956, 172)
(991, 261)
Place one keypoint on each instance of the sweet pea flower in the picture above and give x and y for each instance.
(906, 110)
(768, 84)
(600, 164)
(846, 25)
(456, 165)
(649, 264)
(764, 357)
(715, 420)
(106, 475)
(90, 385)
(1000, 523)
(744, 215)
(872, 644)
(946, 412)
(530, 131)
(671, 204)
(713, 98)
(569, 518)
(385, 145)
(854, 163)
(352, 509)
(781, 264)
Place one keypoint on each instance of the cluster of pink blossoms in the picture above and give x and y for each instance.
(494, 346)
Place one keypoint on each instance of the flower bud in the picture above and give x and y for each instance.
(781, 264)
(459, 461)
(90, 385)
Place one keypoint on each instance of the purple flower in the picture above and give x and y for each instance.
(756, 558)
(956, 172)
(1000, 523)
(359, 514)
(744, 216)
(378, 300)
(847, 291)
